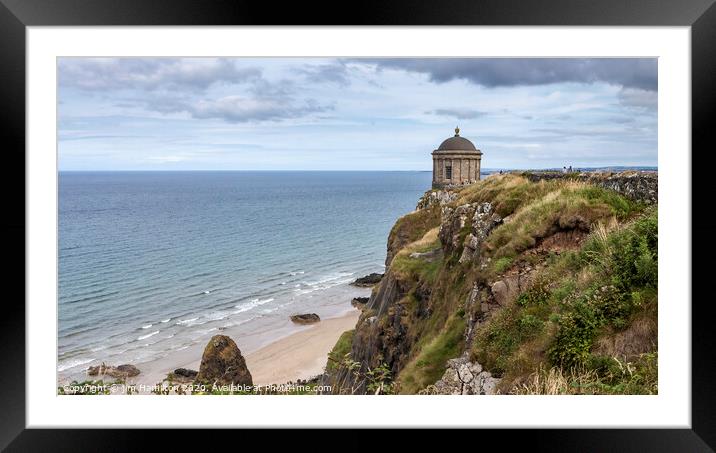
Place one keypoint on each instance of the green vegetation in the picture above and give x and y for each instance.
(639, 377)
(500, 265)
(429, 364)
(342, 347)
(412, 227)
(507, 193)
(597, 291)
(424, 269)
(566, 208)
(584, 323)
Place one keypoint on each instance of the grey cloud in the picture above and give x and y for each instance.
(638, 73)
(461, 114)
(636, 98)
(236, 109)
(99, 74)
(327, 73)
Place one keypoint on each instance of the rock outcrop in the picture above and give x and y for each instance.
(463, 377)
(369, 280)
(359, 302)
(466, 227)
(306, 318)
(436, 197)
(119, 372)
(223, 364)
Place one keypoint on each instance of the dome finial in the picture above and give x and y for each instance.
(457, 131)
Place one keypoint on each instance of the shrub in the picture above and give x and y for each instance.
(341, 348)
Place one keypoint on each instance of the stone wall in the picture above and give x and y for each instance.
(637, 185)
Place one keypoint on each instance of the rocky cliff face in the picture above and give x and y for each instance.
(465, 261)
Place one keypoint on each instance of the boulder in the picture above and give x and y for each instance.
(182, 375)
(360, 302)
(306, 318)
(368, 280)
(121, 371)
(223, 364)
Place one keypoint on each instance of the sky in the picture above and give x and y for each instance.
(353, 114)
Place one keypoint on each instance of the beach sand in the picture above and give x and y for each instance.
(301, 355)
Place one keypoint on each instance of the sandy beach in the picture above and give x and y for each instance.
(298, 355)
(301, 355)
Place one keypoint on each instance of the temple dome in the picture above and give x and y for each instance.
(457, 143)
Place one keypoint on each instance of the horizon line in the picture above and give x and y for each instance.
(346, 171)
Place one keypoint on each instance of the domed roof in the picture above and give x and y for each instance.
(457, 143)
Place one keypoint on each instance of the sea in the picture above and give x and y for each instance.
(156, 262)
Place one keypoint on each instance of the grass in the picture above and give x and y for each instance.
(621, 378)
(429, 364)
(341, 348)
(506, 192)
(405, 267)
(573, 205)
(500, 265)
(412, 227)
(599, 299)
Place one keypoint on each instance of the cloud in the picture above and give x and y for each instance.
(638, 73)
(636, 98)
(261, 101)
(238, 109)
(327, 73)
(101, 74)
(461, 114)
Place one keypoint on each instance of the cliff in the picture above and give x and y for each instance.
(520, 283)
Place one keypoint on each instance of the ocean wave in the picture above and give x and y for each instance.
(186, 321)
(166, 320)
(215, 316)
(73, 363)
(324, 284)
(147, 326)
(144, 337)
(253, 303)
(330, 278)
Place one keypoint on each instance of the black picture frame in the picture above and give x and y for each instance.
(700, 15)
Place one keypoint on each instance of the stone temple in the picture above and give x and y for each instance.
(456, 162)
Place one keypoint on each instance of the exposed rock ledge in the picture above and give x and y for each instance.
(440, 197)
(360, 302)
(368, 280)
(463, 377)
